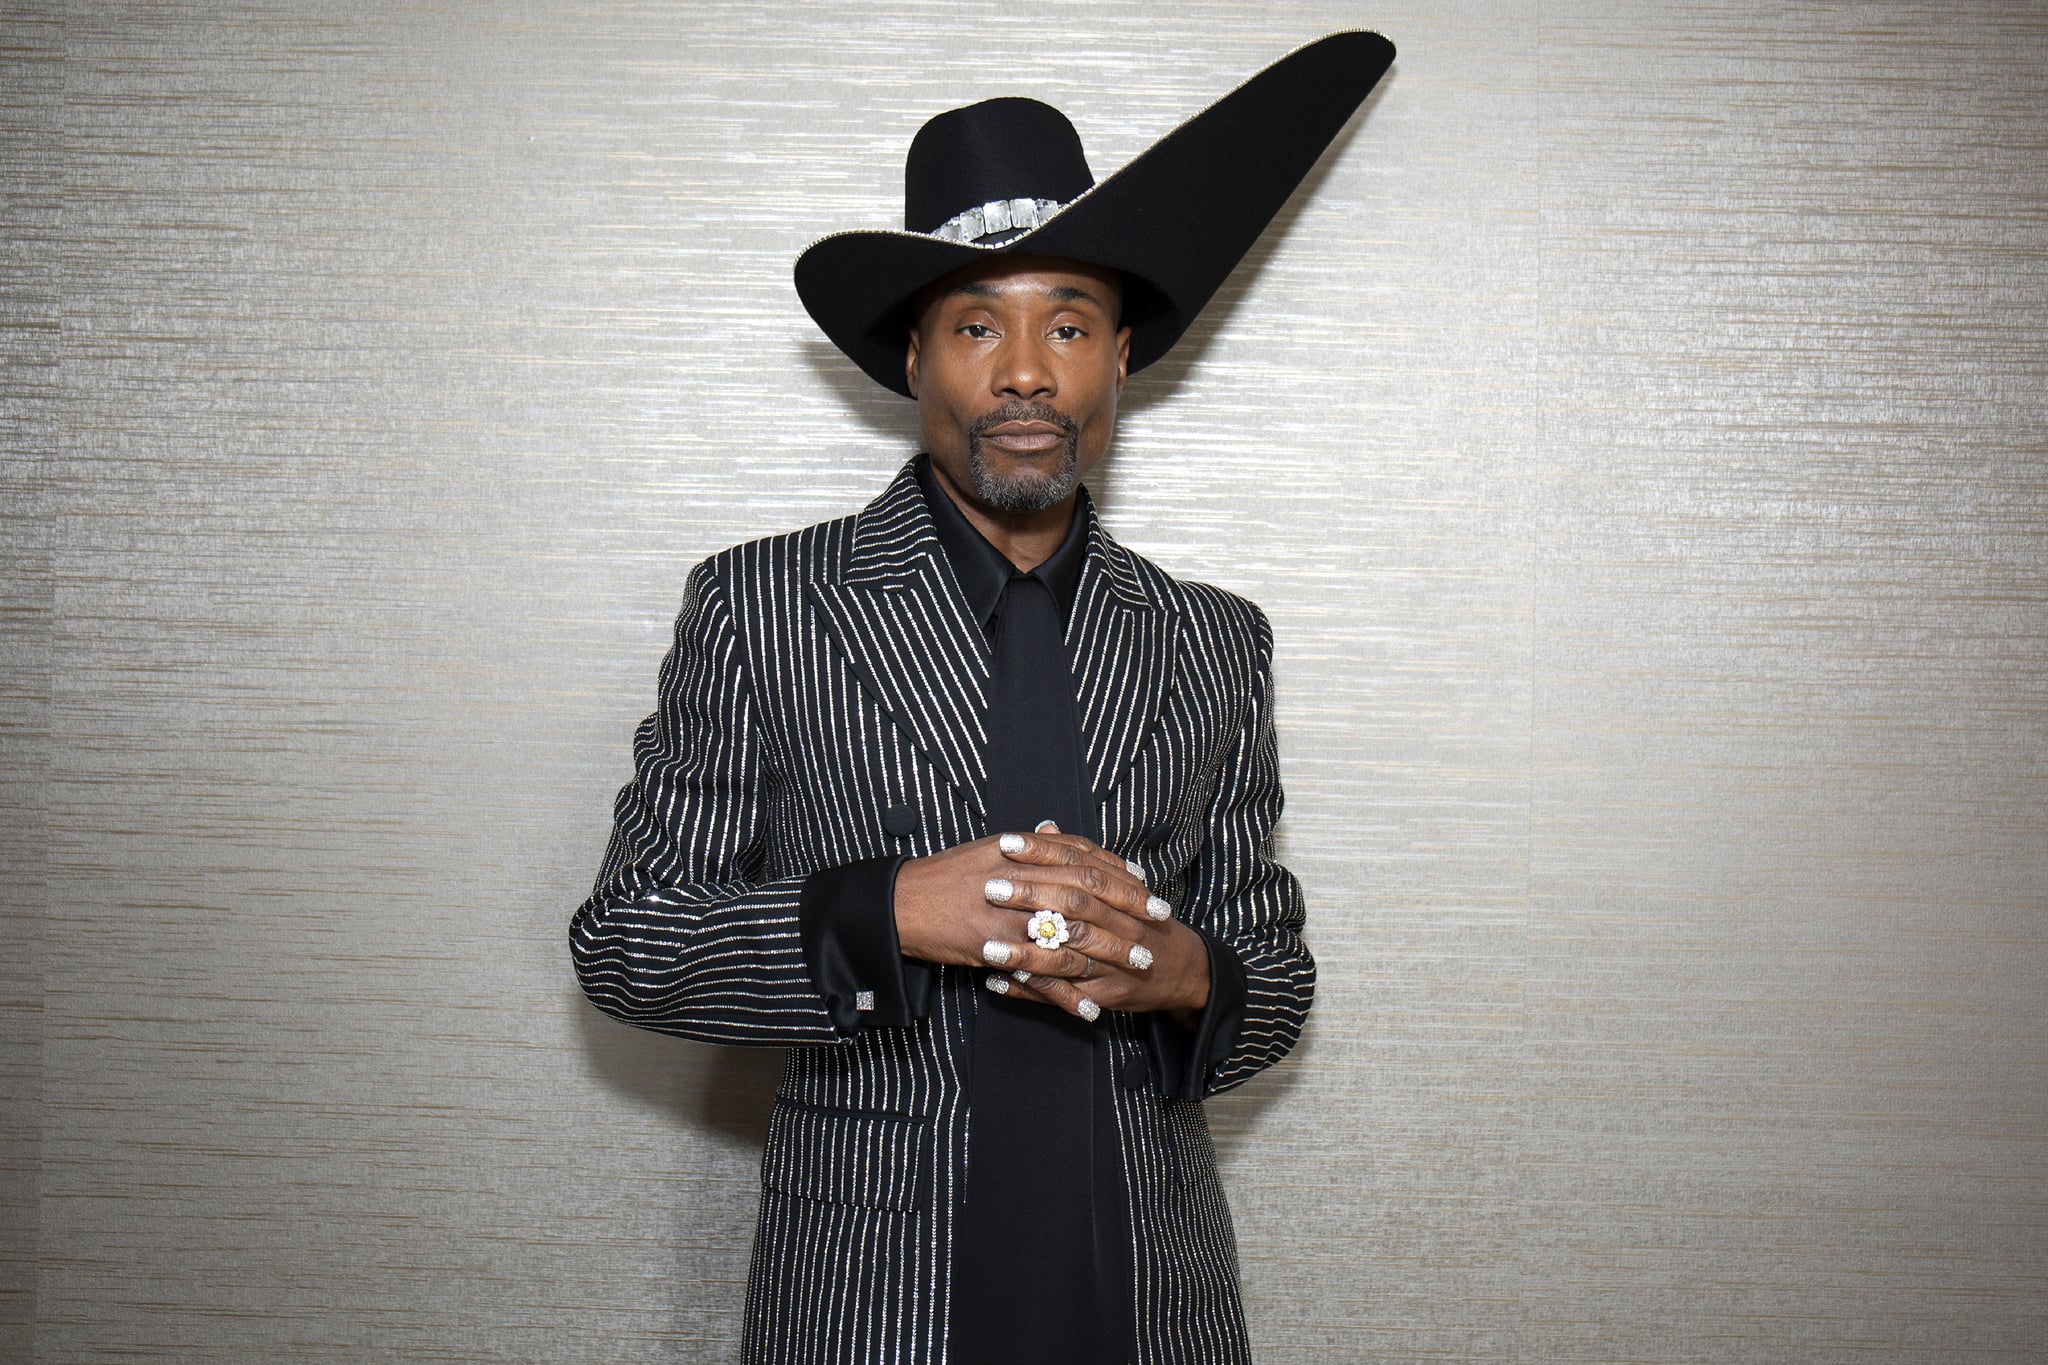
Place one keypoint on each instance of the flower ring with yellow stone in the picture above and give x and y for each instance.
(1047, 928)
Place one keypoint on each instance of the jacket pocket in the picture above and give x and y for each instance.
(848, 1156)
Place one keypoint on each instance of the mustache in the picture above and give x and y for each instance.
(1018, 410)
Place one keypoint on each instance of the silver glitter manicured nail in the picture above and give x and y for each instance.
(998, 890)
(1011, 843)
(1135, 869)
(999, 984)
(1021, 974)
(1045, 827)
(1141, 957)
(1157, 908)
(1088, 1009)
(995, 953)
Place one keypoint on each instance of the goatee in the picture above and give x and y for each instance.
(1031, 490)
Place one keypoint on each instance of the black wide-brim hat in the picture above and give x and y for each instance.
(1007, 176)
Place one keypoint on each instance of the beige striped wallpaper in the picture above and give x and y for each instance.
(1636, 438)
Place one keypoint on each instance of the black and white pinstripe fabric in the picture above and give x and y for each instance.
(821, 678)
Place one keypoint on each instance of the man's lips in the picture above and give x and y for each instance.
(1025, 436)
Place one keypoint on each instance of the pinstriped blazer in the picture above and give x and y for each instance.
(820, 678)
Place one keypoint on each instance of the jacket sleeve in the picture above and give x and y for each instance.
(1246, 903)
(680, 934)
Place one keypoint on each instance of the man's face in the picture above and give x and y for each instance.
(1017, 364)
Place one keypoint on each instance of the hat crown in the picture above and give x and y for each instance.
(1009, 148)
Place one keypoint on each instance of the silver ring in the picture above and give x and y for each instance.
(1087, 968)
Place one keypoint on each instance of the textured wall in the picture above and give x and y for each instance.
(1636, 438)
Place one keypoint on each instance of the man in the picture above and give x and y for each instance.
(971, 807)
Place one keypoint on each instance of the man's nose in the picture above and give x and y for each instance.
(1023, 368)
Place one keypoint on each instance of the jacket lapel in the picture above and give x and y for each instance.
(898, 619)
(1121, 643)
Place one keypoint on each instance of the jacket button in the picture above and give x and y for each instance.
(900, 821)
(1136, 1073)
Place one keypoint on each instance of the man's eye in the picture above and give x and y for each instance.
(1068, 333)
(978, 331)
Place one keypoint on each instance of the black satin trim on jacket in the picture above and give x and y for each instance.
(847, 915)
(1182, 1059)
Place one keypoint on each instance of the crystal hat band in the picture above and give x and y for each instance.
(997, 217)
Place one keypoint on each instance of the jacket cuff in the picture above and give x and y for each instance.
(847, 917)
(1182, 1058)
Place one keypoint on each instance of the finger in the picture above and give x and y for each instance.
(1057, 953)
(1018, 985)
(1100, 945)
(1065, 994)
(1051, 932)
(1015, 947)
(1041, 990)
(1071, 849)
(1067, 888)
(1073, 890)
(1050, 848)
(1003, 984)
(1099, 853)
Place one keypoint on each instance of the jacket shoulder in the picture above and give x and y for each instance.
(1208, 609)
(790, 557)
(883, 531)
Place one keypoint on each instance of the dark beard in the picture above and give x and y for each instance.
(1023, 493)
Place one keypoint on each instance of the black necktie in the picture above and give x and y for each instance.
(1027, 1284)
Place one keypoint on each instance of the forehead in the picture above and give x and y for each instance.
(1026, 278)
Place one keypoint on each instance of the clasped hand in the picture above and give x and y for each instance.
(1124, 950)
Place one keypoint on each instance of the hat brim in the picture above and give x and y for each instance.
(1174, 222)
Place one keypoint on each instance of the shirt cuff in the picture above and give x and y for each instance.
(847, 916)
(1183, 1058)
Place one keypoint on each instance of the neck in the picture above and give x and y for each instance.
(1026, 539)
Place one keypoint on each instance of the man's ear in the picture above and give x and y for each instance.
(910, 363)
(1123, 356)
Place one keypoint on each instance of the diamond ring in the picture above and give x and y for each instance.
(1047, 928)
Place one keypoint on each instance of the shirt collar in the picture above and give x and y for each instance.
(984, 571)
